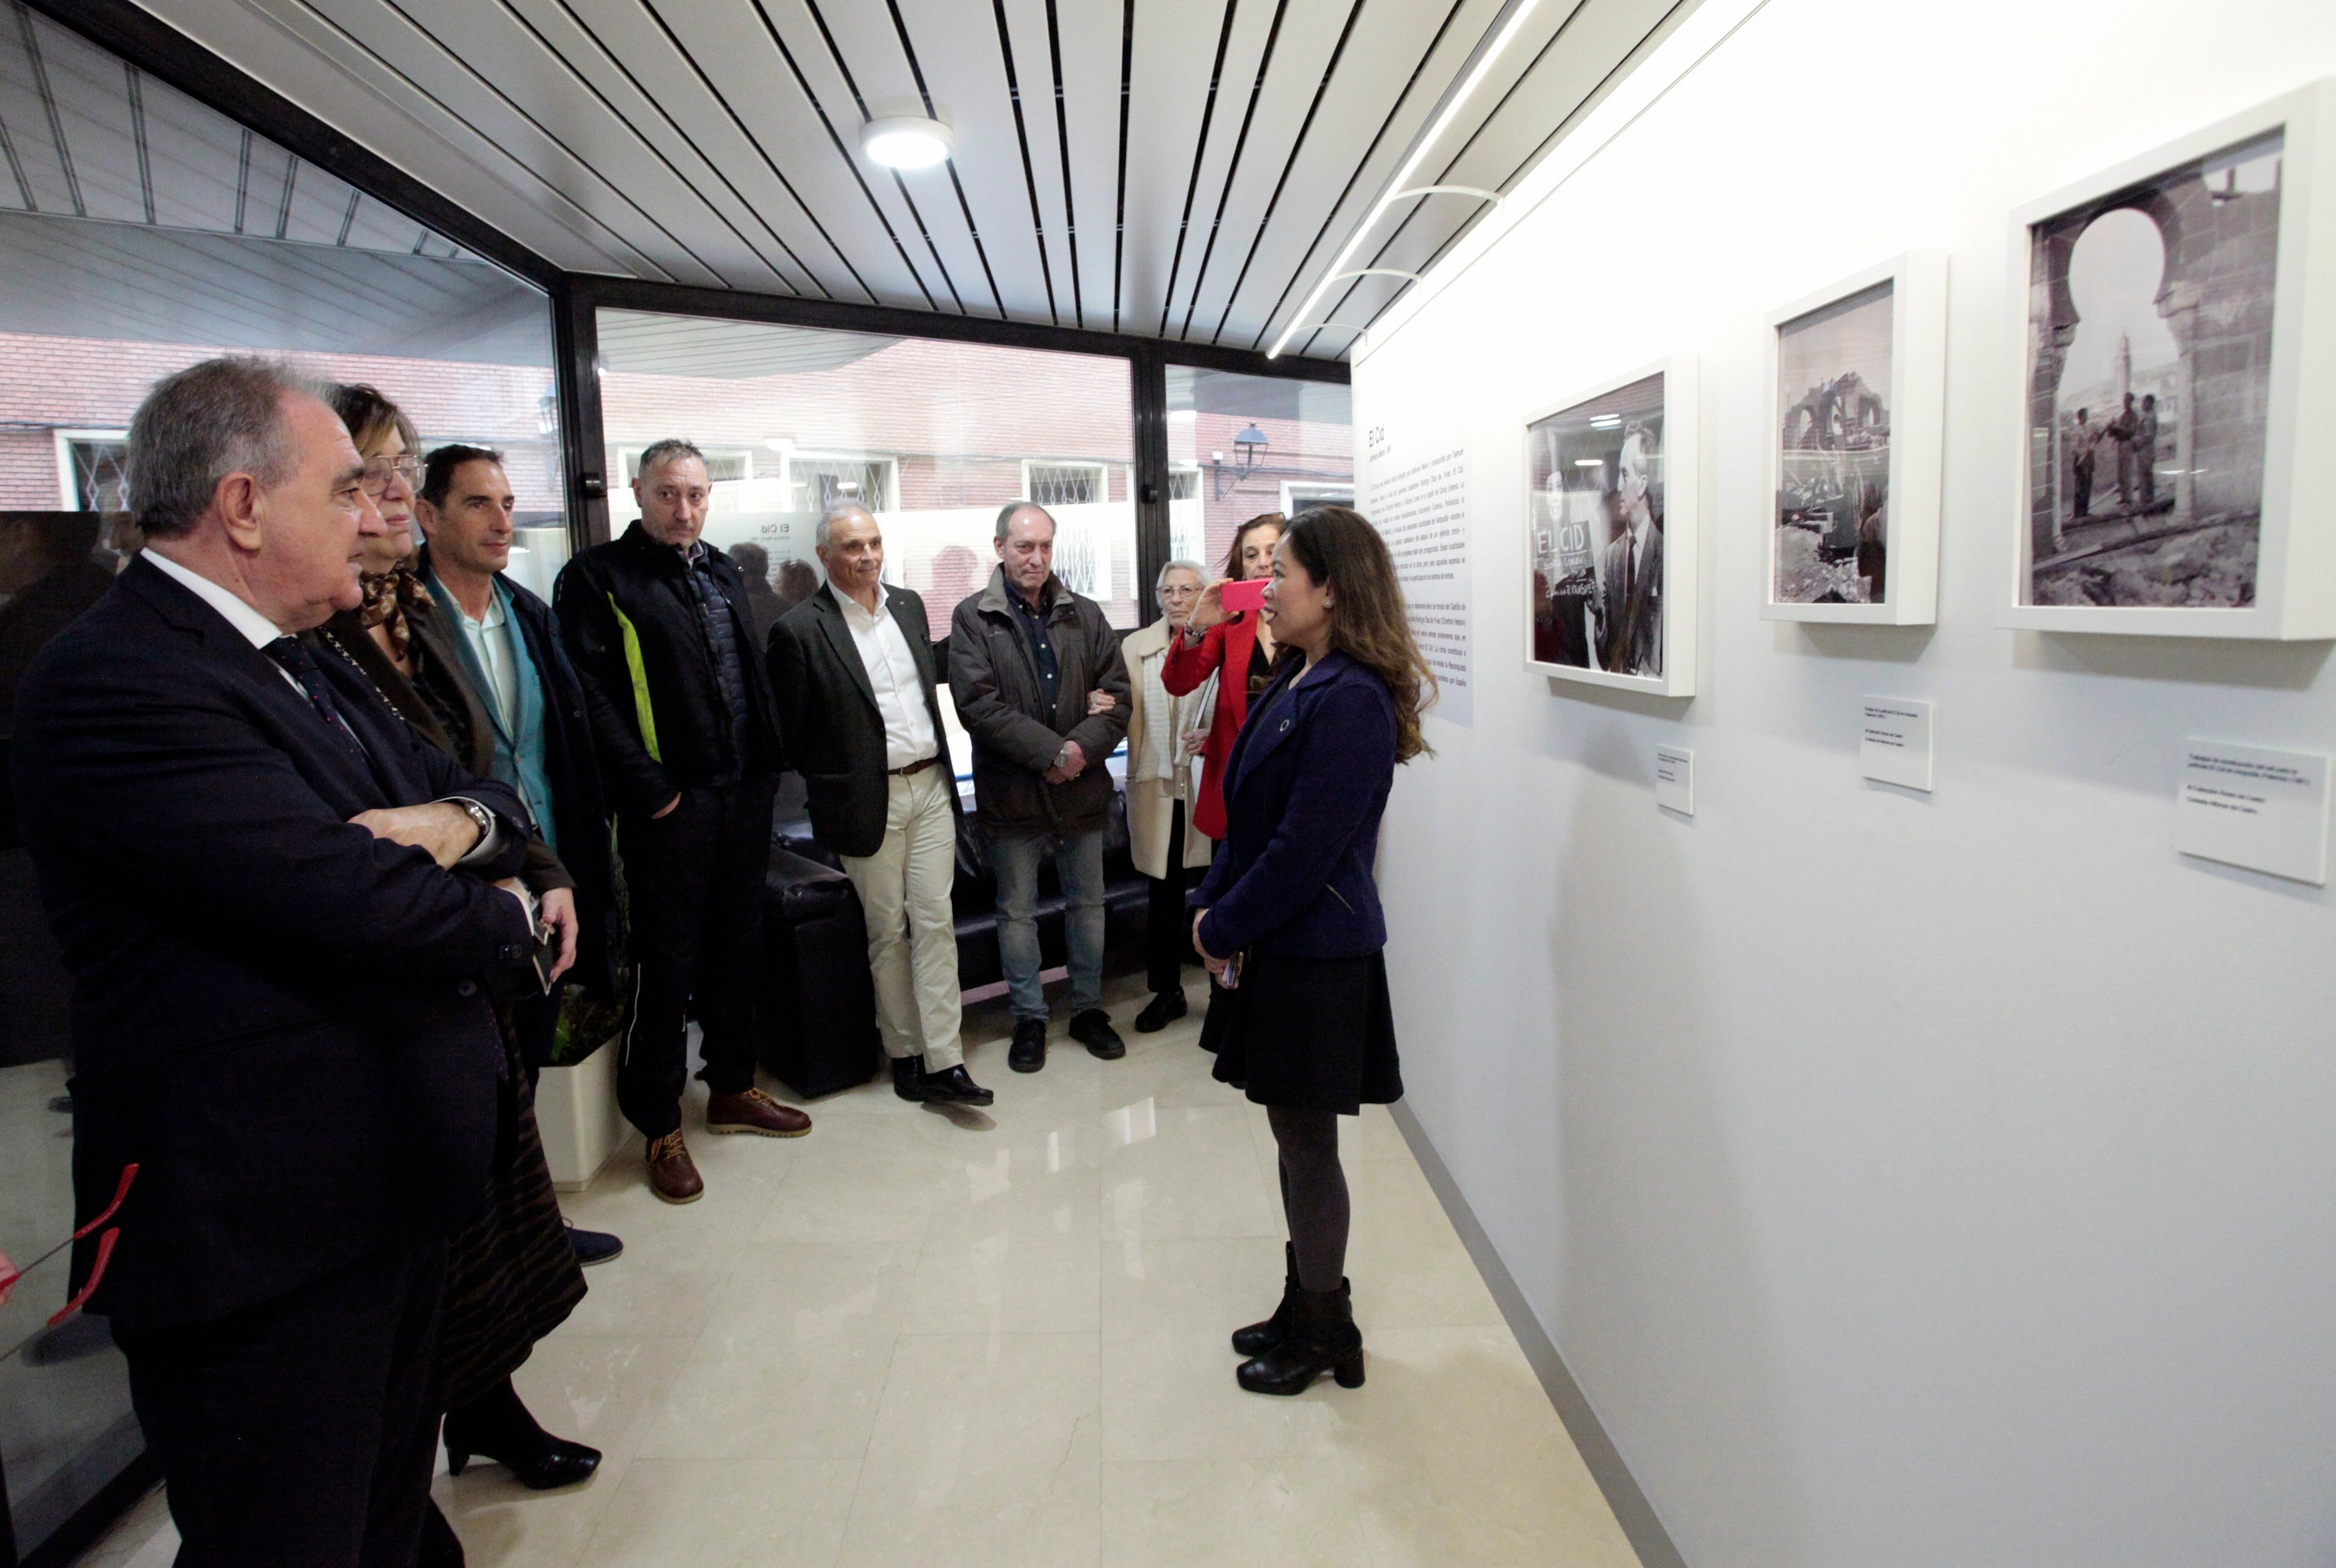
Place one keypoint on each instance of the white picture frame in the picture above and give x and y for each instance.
(1913, 286)
(1555, 427)
(2289, 593)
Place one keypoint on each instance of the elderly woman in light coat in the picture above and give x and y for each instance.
(1165, 736)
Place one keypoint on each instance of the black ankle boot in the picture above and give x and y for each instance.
(1322, 1338)
(1259, 1338)
(497, 1427)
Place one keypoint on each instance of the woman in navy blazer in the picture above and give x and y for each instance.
(1288, 918)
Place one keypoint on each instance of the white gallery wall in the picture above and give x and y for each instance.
(1907, 1179)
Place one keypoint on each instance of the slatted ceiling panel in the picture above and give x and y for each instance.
(806, 85)
(1381, 96)
(1090, 31)
(1563, 57)
(1030, 50)
(1176, 51)
(762, 118)
(1229, 144)
(94, 107)
(262, 185)
(703, 136)
(196, 158)
(533, 61)
(655, 345)
(715, 141)
(864, 34)
(1311, 31)
(963, 61)
(597, 173)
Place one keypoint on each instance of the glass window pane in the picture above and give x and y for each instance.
(931, 436)
(1238, 445)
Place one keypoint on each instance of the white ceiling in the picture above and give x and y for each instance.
(1180, 169)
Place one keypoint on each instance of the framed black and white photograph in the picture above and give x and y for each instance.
(1611, 533)
(1857, 379)
(2174, 474)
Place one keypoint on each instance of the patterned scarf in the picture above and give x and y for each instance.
(387, 597)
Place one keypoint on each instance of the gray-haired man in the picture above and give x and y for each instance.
(1041, 688)
(856, 677)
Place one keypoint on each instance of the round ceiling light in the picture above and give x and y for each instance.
(906, 141)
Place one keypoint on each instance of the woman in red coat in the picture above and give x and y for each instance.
(1211, 641)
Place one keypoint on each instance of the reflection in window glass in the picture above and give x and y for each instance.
(1238, 445)
(933, 437)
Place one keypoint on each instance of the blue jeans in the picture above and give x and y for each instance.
(1079, 863)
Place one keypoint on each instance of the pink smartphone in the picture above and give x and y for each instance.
(1246, 595)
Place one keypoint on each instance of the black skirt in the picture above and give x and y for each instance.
(1307, 1034)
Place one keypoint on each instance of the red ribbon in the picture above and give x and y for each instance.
(105, 1245)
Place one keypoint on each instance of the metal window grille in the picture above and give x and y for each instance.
(820, 481)
(1065, 483)
(101, 477)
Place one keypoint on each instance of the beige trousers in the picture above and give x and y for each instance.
(904, 891)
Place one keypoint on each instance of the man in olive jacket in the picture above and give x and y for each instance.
(1040, 687)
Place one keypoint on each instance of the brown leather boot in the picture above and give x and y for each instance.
(673, 1175)
(753, 1111)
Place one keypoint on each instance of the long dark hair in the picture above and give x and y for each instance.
(1232, 555)
(1344, 553)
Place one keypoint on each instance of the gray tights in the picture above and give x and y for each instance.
(1313, 1193)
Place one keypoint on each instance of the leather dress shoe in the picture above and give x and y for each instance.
(673, 1175)
(1028, 1052)
(753, 1111)
(1093, 1029)
(908, 1077)
(956, 1088)
(592, 1246)
(536, 1459)
(1160, 1011)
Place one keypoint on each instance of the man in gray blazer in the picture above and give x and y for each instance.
(853, 671)
(1630, 599)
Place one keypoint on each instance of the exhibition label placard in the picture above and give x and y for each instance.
(1415, 491)
(1894, 744)
(1675, 779)
(2250, 807)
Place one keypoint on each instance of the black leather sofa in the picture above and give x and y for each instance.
(818, 1008)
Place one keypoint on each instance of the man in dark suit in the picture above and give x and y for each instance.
(1630, 599)
(289, 1072)
(855, 675)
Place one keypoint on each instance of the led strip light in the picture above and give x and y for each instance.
(1402, 176)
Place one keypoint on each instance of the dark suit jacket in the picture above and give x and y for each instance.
(1304, 791)
(828, 720)
(280, 1018)
(1630, 641)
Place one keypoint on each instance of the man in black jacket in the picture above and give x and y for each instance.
(657, 627)
(1041, 688)
(289, 1069)
(856, 679)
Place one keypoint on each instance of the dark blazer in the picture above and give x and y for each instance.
(1631, 640)
(661, 726)
(282, 1020)
(1304, 791)
(1016, 733)
(827, 715)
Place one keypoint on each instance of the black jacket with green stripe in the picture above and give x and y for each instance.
(633, 631)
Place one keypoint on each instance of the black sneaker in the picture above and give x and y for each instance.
(956, 1088)
(1160, 1011)
(908, 1077)
(1093, 1029)
(1028, 1052)
(592, 1246)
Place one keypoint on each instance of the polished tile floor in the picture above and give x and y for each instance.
(998, 1337)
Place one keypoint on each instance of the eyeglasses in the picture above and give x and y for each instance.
(377, 472)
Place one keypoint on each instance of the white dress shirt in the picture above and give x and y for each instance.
(892, 671)
(491, 640)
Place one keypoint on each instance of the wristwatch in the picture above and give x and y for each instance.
(481, 817)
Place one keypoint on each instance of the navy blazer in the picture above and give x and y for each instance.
(1304, 790)
(282, 1020)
